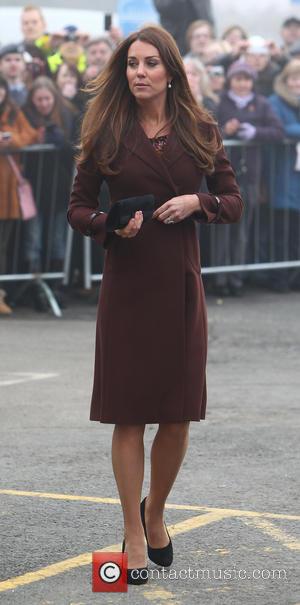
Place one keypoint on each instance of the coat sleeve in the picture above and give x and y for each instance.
(228, 208)
(272, 128)
(22, 134)
(83, 212)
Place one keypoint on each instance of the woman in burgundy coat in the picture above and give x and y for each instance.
(145, 133)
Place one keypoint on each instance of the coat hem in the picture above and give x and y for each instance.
(147, 421)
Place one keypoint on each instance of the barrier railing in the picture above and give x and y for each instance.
(32, 251)
(251, 244)
(41, 250)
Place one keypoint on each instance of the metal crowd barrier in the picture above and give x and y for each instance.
(259, 218)
(259, 234)
(27, 255)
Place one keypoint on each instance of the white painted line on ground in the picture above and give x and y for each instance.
(11, 378)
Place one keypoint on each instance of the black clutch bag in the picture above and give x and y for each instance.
(122, 211)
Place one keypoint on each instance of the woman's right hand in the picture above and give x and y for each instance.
(231, 126)
(132, 228)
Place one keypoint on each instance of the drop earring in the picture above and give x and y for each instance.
(169, 84)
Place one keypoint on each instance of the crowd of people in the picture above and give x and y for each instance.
(251, 86)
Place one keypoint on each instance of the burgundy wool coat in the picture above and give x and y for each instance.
(151, 332)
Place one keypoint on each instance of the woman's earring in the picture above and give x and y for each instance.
(169, 84)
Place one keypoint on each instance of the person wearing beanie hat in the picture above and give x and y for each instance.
(241, 67)
(246, 116)
(286, 198)
(258, 56)
(12, 68)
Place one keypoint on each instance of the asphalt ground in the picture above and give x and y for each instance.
(233, 513)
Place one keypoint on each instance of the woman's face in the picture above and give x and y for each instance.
(194, 79)
(43, 100)
(146, 74)
(241, 85)
(64, 77)
(234, 36)
(293, 84)
(2, 94)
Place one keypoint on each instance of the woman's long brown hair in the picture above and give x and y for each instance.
(59, 102)
(111, 111)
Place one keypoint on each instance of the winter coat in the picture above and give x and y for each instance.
(247, 162)
(22, 135)
(286, 191)
(51, 173)
(151, 335)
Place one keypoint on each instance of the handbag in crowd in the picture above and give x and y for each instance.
(26, 199)
(122, 211)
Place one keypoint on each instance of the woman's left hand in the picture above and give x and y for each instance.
(177, 208)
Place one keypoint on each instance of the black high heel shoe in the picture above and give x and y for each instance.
(135, 575)
(161, 556)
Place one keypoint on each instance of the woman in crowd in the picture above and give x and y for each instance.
(258, 56)
(69, 82)
(15, 132)
(50, 174)
(286, 194)
(245, 116)
(200, 84)
(236, 36)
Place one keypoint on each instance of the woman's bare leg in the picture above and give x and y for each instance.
(128, 467)
(167, 453)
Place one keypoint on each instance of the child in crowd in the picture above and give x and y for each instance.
(246, 116)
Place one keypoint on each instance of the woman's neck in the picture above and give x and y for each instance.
(152, 113)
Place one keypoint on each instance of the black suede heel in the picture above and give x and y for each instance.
(136, 575)
(161, 556)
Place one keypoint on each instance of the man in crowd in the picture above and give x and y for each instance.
(177, 15)
(33, 24)
(98, 51)
(12, 68)
(290, 33)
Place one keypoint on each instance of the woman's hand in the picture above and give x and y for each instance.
(133, 227)
(231, 127)
(177, 208)
(41, 134)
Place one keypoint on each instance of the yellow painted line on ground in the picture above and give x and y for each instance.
(86, 558)
(161, 596)
(276, 533)
(189, 507)
(199, 521)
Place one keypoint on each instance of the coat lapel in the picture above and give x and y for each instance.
(138, 143)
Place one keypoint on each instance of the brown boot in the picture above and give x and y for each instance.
(4, 308)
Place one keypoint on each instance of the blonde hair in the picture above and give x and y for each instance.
(33, 7)
(205, 86)
(292, 68)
